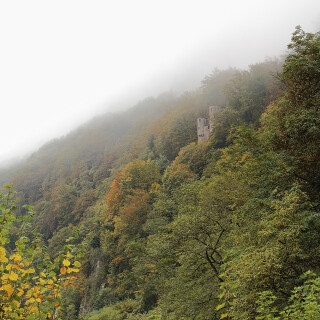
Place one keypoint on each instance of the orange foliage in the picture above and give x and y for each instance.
(114, 197)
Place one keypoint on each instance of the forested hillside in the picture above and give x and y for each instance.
(170, 228)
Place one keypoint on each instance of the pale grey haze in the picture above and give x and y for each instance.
(62, 62)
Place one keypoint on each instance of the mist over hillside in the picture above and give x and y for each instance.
(108, 60)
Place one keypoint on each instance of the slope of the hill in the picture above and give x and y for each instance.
(230, 229)
(118, 180)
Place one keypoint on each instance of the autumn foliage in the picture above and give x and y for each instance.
(30, 283)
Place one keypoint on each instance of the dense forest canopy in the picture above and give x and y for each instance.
(165, 227)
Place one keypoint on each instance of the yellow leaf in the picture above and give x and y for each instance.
(69, 255)
(20, 293)
(9, 266)
(33, 309)
(13, 276)
(16, 257)
(70, 270)
(3, 255)
(16, 266)
(66, 263)
(31, 270)
(31, 300)
(7, 308)
(5, 276)
(42, 274)
(8, 288)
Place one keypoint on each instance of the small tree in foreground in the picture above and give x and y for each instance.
(30, 283)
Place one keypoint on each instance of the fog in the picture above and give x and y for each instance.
(62, 62)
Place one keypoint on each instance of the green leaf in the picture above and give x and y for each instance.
(220, 306)
(221, 295)
(77, 264)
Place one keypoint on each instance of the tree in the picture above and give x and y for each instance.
(30, 283)
(293, 123)
(303, 302)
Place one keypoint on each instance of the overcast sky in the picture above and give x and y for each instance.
(61, 62)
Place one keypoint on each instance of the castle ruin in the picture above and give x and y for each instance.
(205, 126)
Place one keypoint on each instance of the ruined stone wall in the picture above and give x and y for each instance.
(203, 129)
(205, 126)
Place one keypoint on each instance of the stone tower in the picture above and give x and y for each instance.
(205, 126)
(203, 129)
